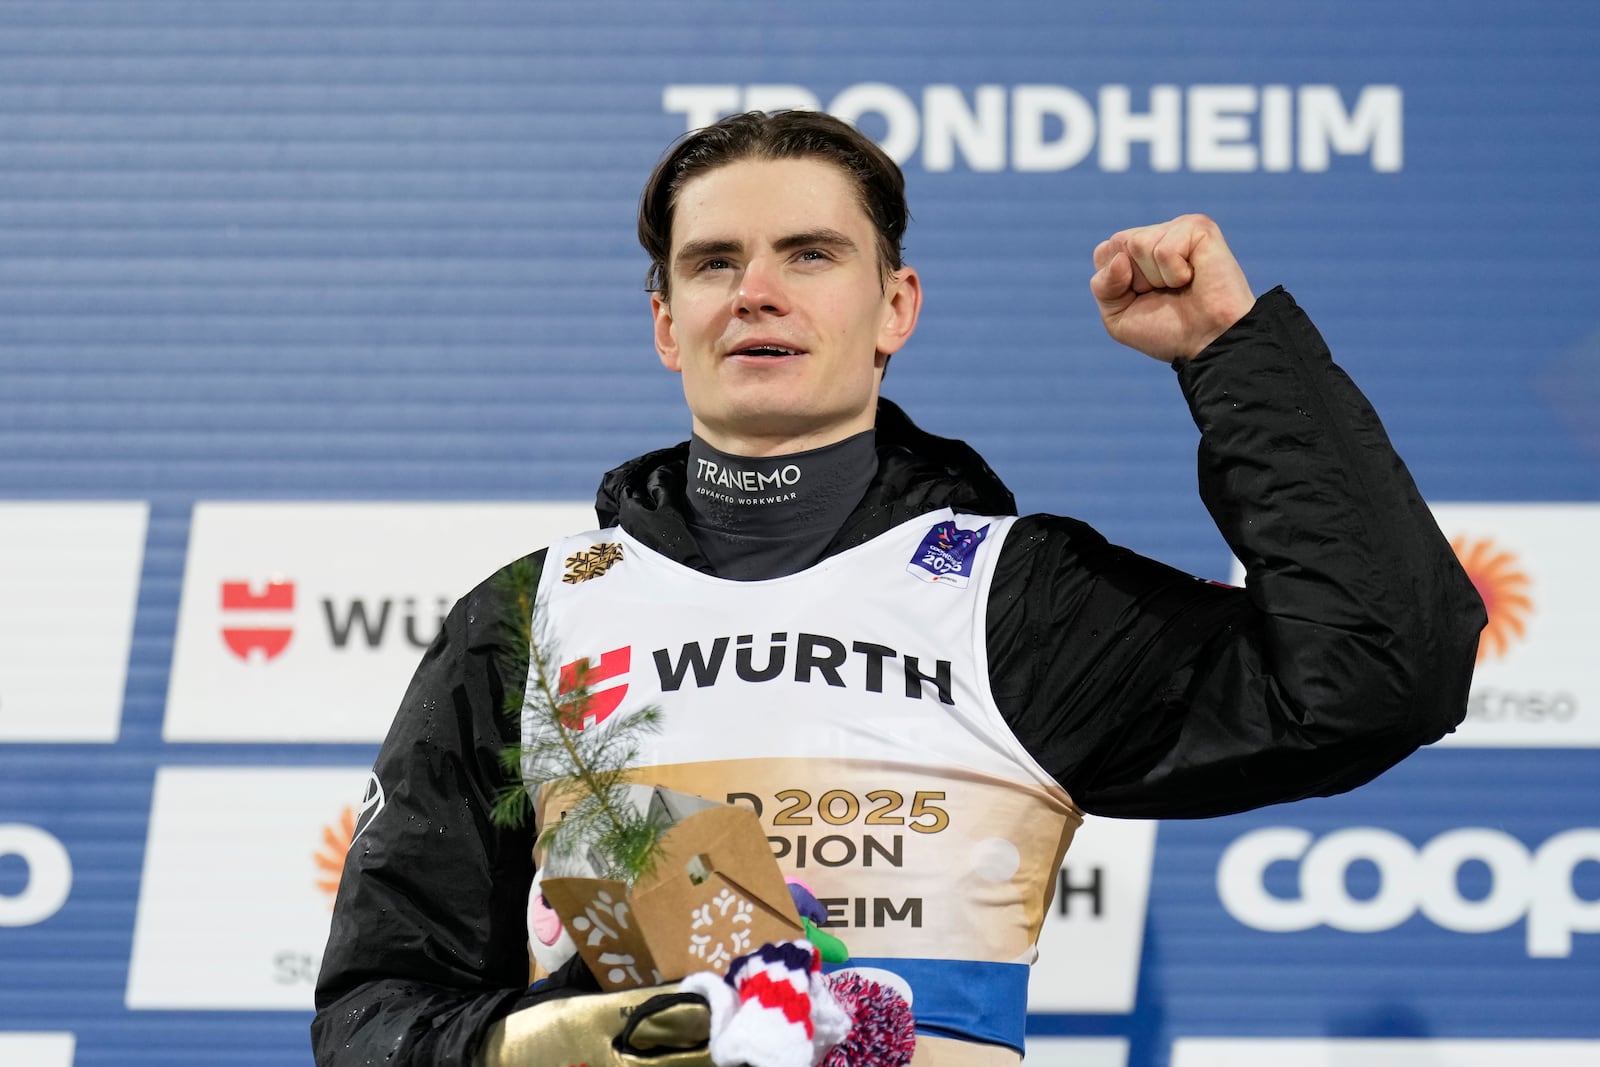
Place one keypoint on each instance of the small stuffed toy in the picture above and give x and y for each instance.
(552, 945)
(812, 916)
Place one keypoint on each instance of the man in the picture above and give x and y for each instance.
(845, 625)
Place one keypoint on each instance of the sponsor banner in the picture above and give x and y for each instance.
(1077, 1052)
(239, 876)
(305, 621)
(1534, 886)
(1093, 934)
(1363, 1052)
(1046, 128)
(41, 1049)
(1535, 684)
(69, 580)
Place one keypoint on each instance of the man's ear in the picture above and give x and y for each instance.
(666, 343)
(902, 297)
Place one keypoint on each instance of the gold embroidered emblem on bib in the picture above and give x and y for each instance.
(592, 562)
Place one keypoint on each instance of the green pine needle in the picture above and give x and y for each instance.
(596, 764)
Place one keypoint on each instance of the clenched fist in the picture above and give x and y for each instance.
(1171, 289)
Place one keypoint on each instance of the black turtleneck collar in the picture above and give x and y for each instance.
(763, 517)
(917, 472)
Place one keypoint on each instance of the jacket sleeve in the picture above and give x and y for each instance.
(428, 944)
(1148, 693)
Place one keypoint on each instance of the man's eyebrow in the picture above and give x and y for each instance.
(824, 237)
(701, 249)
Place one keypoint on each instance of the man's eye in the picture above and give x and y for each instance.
(715, 264)
(813, 255)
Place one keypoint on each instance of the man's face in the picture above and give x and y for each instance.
(780, 320)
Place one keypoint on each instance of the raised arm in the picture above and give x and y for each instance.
(1149, 693)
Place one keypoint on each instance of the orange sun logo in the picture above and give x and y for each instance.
(336, 838)
(1504, 588)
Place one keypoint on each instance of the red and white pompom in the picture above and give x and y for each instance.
(882, 1030)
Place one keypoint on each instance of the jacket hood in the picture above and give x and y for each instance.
(917, 472)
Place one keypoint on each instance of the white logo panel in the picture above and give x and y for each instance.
(305, 621)
(69, 580)
(38, 1049)
(1362, 1052)
(237, 892)
(1077, 1052)
(1534, 684)
(1098, 915)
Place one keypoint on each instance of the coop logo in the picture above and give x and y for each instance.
(246, 628)
(49, 875)
(1239, 128)
(1501, 582)
(1537, 886)
(586, 698)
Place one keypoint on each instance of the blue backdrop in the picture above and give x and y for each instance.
(347, 250)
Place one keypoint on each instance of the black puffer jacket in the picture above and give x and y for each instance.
(1144, 691)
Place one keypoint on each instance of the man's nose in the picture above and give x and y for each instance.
(760, 290)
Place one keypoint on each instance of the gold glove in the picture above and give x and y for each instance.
(655, 1025)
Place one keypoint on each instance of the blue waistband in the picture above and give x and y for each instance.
(962, 999)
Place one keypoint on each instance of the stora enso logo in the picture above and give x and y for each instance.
(1500, 581)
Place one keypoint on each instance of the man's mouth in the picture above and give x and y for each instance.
(768, 351)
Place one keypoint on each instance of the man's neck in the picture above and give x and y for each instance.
(775, 439)
(762, 517)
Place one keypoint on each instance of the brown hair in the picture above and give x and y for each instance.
(879, 184)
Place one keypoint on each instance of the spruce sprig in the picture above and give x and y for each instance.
(588, 770)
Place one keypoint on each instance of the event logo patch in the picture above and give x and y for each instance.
(586, 705)
(239, 598)
(946, 554)
(1498, 577)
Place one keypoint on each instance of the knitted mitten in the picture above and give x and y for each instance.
(774, 1009)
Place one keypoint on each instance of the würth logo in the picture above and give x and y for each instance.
(587, 705)
(238, 599)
